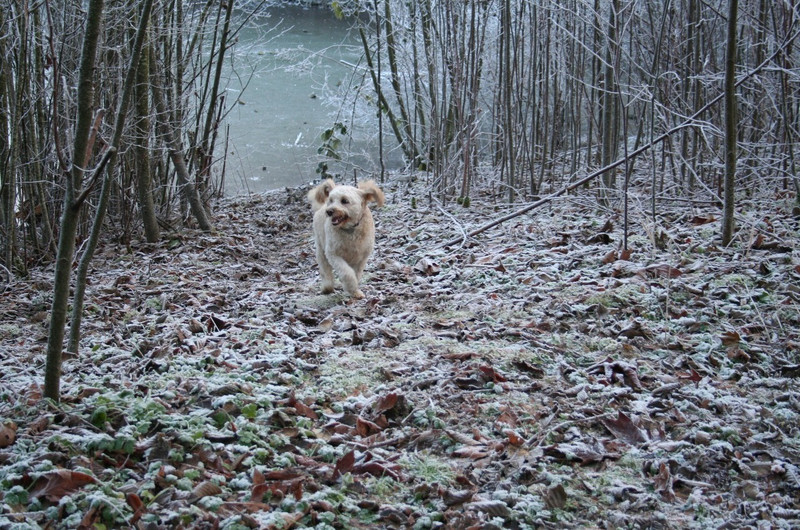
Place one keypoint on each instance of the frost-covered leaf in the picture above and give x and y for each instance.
(625, 429)
(555, 497)
(55, 484)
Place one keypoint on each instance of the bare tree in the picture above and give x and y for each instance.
(731, 123)
(74, 197)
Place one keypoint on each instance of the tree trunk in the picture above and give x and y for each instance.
(144, 176)
(69, 217)
(730, 125)
(609, 99)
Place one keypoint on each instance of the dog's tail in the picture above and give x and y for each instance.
(319, 195)
(372, 192)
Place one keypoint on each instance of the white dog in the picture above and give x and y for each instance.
(344, 232)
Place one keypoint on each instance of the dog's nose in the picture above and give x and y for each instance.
(329, 212)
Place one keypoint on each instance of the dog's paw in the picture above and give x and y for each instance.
(358, 295)
(326, 289)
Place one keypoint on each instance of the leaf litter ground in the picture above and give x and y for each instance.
(527, 378)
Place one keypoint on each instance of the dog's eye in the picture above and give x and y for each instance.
(345, 201)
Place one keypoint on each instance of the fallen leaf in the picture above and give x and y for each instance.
(555, 498)
(385, 403)
(427, 267)
(344, 464)
(661, 270)
(611, 257)
(366, 428)
(534, 370)
(136, 504)
(455, 497)
(493, 508)
(53, 485)
(206, 489)
(599, 239)
(492, 374)
(474, 452)
(216, 323)
(698, 220)
(378, 469)
(738, 355)
(730, 338)
(663, 482)
(625, 429)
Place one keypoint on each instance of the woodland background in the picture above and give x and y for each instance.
(666, 130)
(529, 95)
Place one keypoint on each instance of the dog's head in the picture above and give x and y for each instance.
(345, 205)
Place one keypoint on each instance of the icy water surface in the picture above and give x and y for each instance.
(284, 64)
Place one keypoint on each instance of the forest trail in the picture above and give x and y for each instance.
(525, 378)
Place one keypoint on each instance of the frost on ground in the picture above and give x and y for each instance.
(529, 377)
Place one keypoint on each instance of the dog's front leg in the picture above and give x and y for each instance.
(325, 271)
(348, 277)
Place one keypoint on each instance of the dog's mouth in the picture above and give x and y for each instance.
(337, 218)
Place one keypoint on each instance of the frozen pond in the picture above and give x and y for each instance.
(285, 62)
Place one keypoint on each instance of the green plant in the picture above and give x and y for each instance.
(331, 143)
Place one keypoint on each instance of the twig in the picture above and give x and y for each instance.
(464, 234)
(543, 436)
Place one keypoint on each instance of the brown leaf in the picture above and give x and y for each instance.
(215, 323)
(611, 257)
(513, 438)
(206, 489)
(599, 239)
(427, 267)
(385, 403)
(698, 220)
(587, 452)
(730, 338)
(53, 485)
(136, 505)
(493, 508)
(625, 429)
(195, 326)
(693, 376)
(738, 355)
(281, 474)
(492, 374)
(661, 270)
(475, 452)
(634, 330)
(663, 482)
(378, 469)
(38, 425)
(366, 428)
(533, 369)
(455, 497)
(304, 410)
(301, 408)
(555, 497)
(344, 465)
(611, 370)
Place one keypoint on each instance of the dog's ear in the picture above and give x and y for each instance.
(371, 192)
(318, 195)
